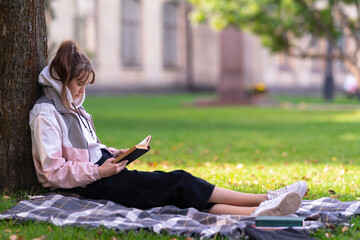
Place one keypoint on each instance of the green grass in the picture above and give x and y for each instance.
(339, 99)
(248, 148)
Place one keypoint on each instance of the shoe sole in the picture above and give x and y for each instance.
(288, 205)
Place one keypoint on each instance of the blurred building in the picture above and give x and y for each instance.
(150, 45)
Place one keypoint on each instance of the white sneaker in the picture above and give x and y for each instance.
(284, 205)
(299, 187)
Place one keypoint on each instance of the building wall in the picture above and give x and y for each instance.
(61, 27)
(75, 20)
(206, 56)
(100, 37)
(279, 71)
(150, 73)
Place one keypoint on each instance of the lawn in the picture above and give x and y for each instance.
(244, 148)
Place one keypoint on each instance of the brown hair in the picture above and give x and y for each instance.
(70, 63)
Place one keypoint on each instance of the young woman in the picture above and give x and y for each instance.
(68, 155)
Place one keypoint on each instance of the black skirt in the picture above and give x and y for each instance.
(144, 190)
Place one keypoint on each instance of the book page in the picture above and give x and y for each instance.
(146, 141)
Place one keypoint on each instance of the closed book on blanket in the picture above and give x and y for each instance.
(277, 221)
(135, 152)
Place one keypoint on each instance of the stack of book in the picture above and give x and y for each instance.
(276, 223)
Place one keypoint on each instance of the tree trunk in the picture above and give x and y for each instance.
(189, 51)
(230, 87)
(23, 48)
(329, 88)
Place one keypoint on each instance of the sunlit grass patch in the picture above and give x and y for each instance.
(245, 148)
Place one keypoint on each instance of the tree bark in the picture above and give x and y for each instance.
(230, 87)
(329, 88)
(189, 51)
(23, 48)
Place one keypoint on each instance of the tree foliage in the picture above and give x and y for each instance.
(285, 25)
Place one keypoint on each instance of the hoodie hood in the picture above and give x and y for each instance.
(45, 80)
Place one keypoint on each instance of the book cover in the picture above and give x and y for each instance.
(277, 221)
(135, 152)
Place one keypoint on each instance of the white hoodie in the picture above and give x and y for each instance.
(61, 150)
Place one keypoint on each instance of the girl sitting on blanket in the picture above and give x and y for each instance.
(68, 156)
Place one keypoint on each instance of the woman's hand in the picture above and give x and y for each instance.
(121, 151)
(117, 152)
(108, 168)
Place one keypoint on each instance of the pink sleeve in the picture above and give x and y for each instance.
(58, 171)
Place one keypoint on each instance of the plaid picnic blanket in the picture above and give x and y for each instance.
(328, 210)
(66, 210)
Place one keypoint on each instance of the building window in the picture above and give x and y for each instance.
(85, 27)
(284, 62)
(342, 41)
(170, 34)
(130, 33)
(315, 62)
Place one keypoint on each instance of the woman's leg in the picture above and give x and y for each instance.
(144, 190)
(232, 202)
(229, 197)
(220, 209)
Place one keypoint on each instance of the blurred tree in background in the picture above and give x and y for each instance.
(291, 26)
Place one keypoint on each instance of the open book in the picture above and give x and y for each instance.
(135, 152)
